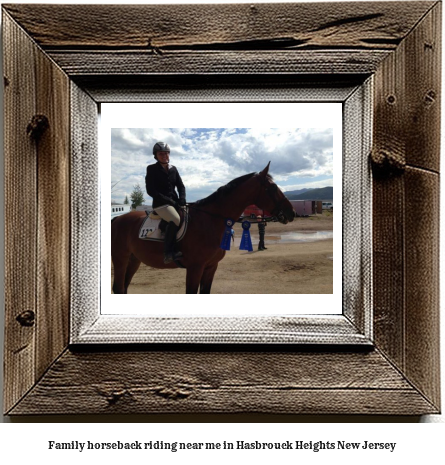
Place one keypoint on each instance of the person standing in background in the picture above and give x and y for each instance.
(262, 232)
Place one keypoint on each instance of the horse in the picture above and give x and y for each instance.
(201, 244)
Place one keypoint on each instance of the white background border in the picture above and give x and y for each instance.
(424, 445)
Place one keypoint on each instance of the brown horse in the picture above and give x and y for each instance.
(201, 245)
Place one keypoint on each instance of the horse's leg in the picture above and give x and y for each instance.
(133, 266)
(120, 267)
(193, 278)
(207, 279)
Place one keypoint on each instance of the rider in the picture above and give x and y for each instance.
(160, 181)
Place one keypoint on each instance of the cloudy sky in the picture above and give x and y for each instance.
(210, 157)
(213, 143)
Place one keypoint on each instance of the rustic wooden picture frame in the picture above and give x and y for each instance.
(78, 56)
(92, 323)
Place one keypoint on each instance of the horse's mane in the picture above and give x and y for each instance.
(224, 190)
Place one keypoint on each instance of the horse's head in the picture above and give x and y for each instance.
(271, 198)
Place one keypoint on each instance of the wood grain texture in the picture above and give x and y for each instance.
(90, 327)
(85, 211)
(357, 209)
(399, 42)
(229, 39)
(37, 215)
(388, 201)
(421, 280)
(406, 211)
(53, 226)
(20, 212)
(218, 87)
(130, 63)
(223, 382)
(159, 27)
(423, 92)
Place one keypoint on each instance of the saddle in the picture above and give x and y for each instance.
(153, 226)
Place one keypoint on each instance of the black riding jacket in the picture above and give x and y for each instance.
(261, 228)
(161, 185)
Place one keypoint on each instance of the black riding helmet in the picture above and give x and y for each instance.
(160, 147)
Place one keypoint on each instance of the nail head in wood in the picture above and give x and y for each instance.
(430, 97)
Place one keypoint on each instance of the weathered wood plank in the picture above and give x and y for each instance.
(219, 87)
(85, 211)
(423, 92)
(221, 382)
(53, 229)
(78, 63)
(108, 329)
(388, 201)
(365, 25)
(20, 213)
(406, 211)
(357, 209)
(422, 281)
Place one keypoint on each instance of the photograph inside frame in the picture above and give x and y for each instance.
(227, 210)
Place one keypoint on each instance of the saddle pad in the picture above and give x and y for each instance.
(149, 230)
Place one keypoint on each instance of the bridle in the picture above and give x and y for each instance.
(271, 189)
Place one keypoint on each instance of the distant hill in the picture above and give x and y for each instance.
(297, 192)
(324, 193)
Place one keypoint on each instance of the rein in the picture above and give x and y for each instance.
(263, 220)
(277, 212)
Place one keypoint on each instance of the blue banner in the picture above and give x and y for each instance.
(225, 243)
(246, 241)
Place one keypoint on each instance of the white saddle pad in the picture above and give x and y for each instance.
(149, 230)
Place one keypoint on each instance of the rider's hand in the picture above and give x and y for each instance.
(182, 202)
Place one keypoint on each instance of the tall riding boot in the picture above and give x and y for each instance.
(169, 243)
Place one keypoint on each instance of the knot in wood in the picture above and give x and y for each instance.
(26, 318)
(114, 397)
(172, 393)
(387, 163)
(37, 126)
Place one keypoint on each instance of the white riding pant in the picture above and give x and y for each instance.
(168, 213)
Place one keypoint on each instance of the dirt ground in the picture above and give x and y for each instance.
(284, 268)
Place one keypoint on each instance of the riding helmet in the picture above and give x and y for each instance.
(160, 147)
